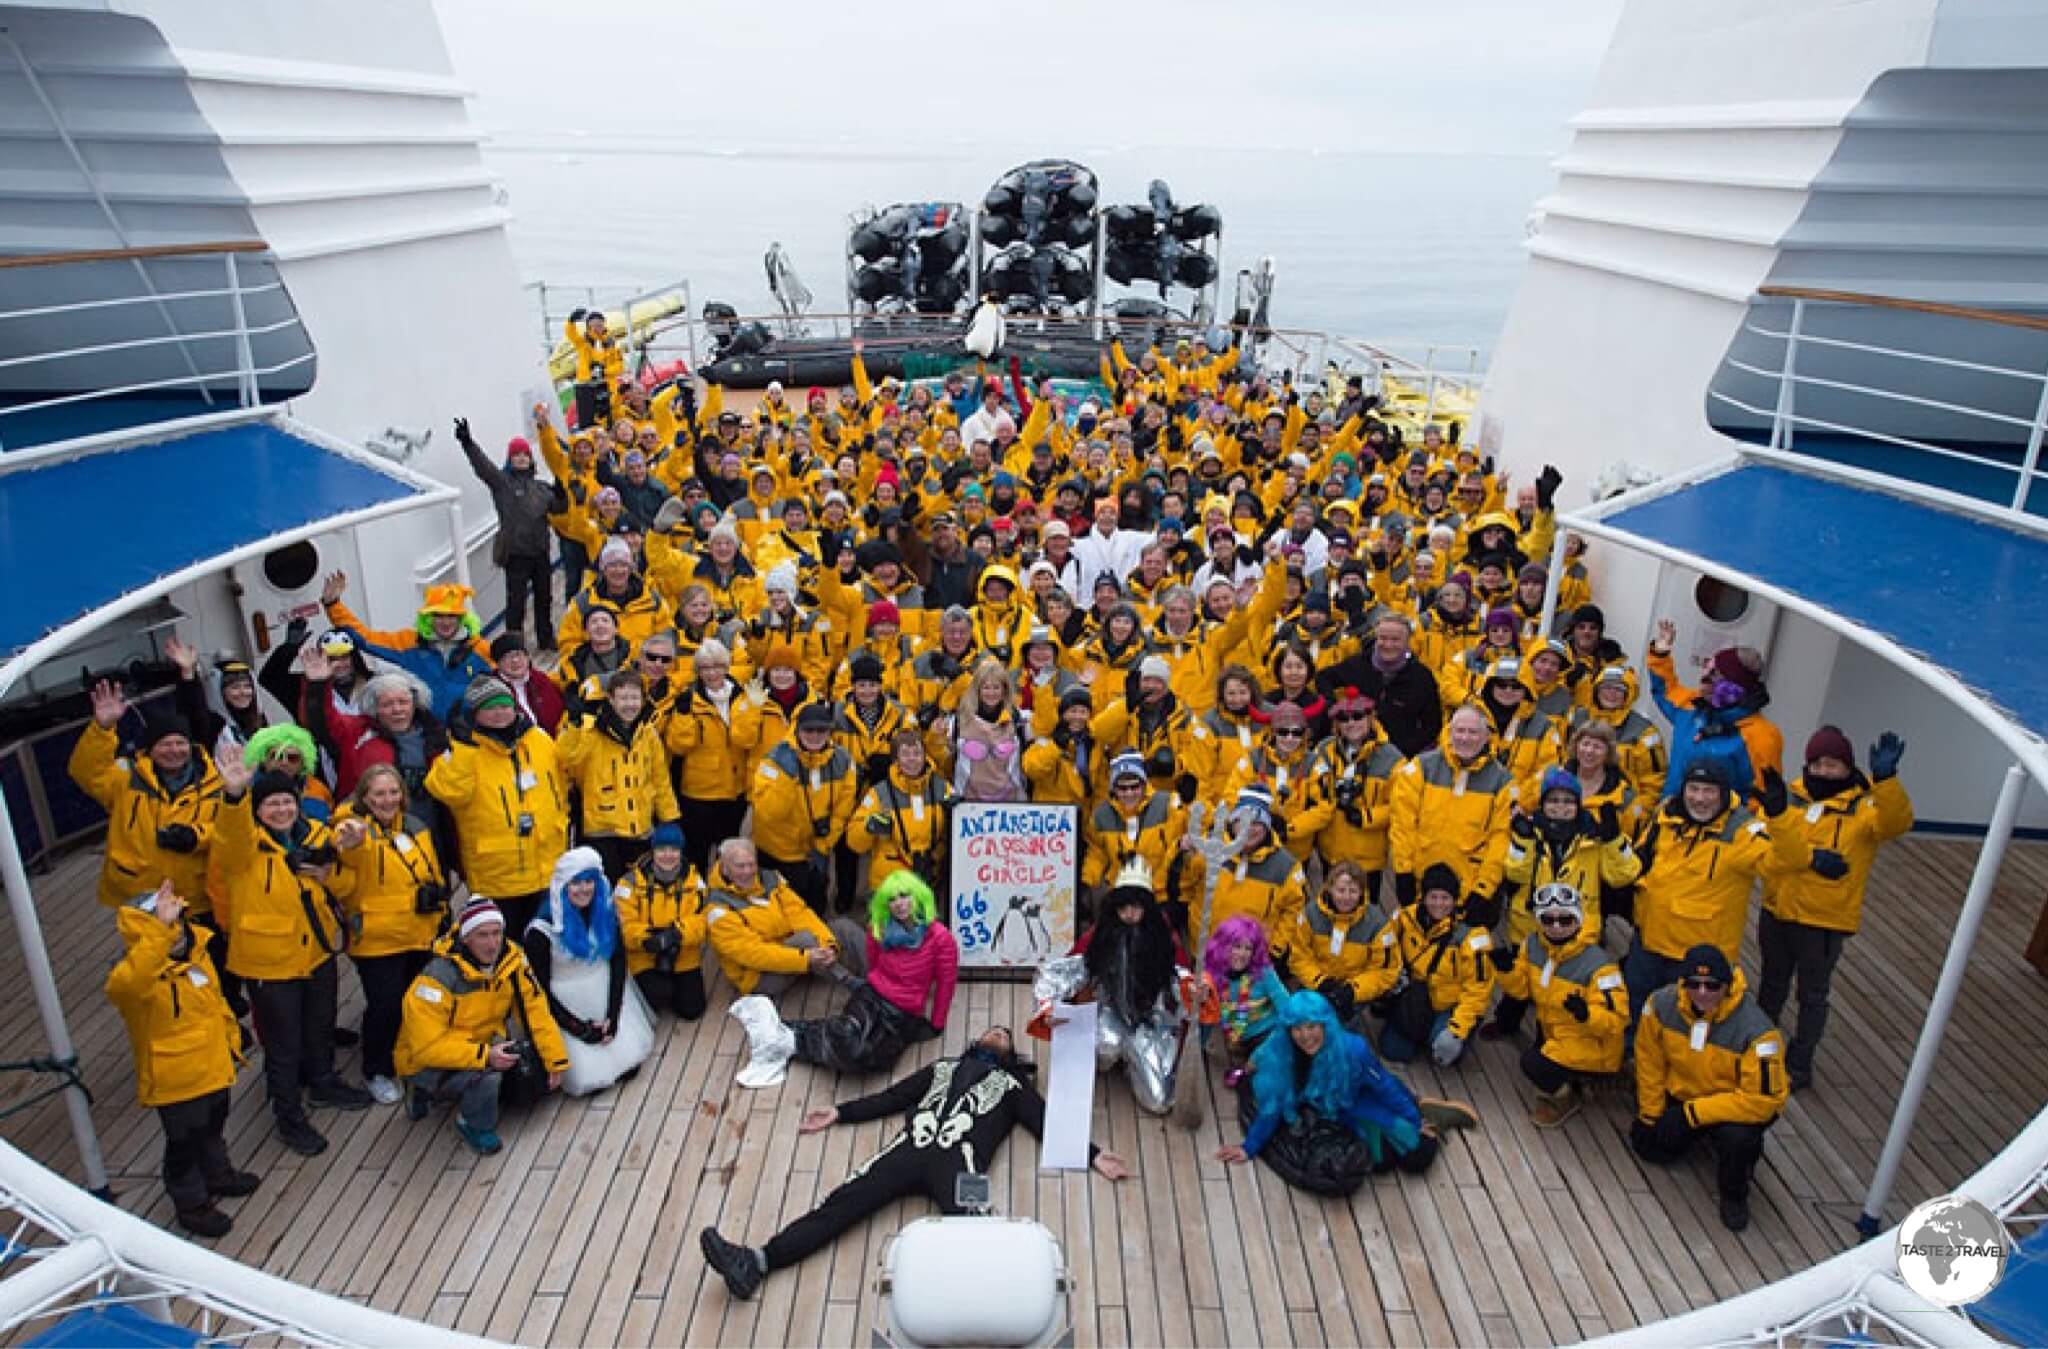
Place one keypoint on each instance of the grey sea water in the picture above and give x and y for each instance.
(1400, 248)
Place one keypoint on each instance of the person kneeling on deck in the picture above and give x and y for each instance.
(957, 1113)
(1324, 1112)
(765, 935)
(183, 1035)
(1709, 1064)
(1131, 966)
(1581, 1005)
(454, 1046)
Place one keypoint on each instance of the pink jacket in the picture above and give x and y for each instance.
(904, 976)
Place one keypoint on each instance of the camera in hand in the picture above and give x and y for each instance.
(430, 897)
(821, 829)
(305, 859)
(668, 945)
(1348, 792)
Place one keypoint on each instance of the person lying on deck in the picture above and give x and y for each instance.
(957, 1112)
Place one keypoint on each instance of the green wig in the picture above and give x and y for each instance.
(923, 906)
(272, 738)
(423, 625)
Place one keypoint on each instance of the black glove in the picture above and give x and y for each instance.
(877, 766)
(578, 314)
(1404, 889)
(1247, 556)
(1771, 796)
(1159, 763)
(462, 436)
(1610, 823)
(1133, 693)
(1186, 788)
(1546, 485)
(1522, 825)
(1175, 441)
(1342, 1000)
(1672, 1130)
(830, 544)
(1575, 1003)
(295, 631)
(178, 838)
(1353, 816)
(1063, 737)
(1829, 864)
(1481, 910)
(1502, 956)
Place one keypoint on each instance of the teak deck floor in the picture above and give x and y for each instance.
(583, 1231)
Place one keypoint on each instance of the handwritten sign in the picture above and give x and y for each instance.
(1014, 871)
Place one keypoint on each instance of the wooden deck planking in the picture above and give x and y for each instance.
(584, 1229)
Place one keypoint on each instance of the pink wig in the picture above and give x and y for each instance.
(1216, 956)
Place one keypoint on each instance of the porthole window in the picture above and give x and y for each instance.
(292, 568)
(1719, 601)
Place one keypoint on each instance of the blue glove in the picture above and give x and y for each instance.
(1446, 1048)
(1885, 756)
(1829, 864)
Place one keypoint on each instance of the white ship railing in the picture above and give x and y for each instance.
(1789, 377)
(1434, 373)
(66, 1251)
(188, 321)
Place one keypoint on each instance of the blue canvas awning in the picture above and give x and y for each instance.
(1949, 592)
(78, 534)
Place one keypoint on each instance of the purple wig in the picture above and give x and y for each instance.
(1216, 956)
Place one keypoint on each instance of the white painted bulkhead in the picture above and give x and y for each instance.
(1684, 177)
(349, 150)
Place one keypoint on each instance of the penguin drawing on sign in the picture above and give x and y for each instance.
(1021, 936)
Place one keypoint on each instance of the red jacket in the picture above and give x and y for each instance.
(905, 975)
(540, 700)
(354, 741)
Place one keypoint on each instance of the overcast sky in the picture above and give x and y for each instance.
(1455, 75)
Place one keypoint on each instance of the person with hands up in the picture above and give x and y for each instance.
(184, 1039)
(1701, 854)
(161, 800)
(284, 931)
(1809, 915)
(524, 547)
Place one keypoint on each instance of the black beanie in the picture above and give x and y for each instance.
(162, 724)
(271, 783)
(1439, 876)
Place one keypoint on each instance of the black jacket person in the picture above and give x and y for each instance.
(957, 1112)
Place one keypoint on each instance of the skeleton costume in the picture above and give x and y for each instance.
(1133, 972)
(959, 1111)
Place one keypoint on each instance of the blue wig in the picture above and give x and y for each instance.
(587, 934)
(1346, 1084)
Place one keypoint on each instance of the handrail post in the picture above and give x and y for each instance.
(1781, 418)
(2032, 458)
(245, 359)
(458, 536)
(42, 980)
(1553, 582)
(1953, 969)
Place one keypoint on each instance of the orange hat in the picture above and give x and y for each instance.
(451, 600)
(783, 655)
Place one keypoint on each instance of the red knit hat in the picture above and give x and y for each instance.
(1829, 743)
(1732, 663)
(886, 474)
(884, 612)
